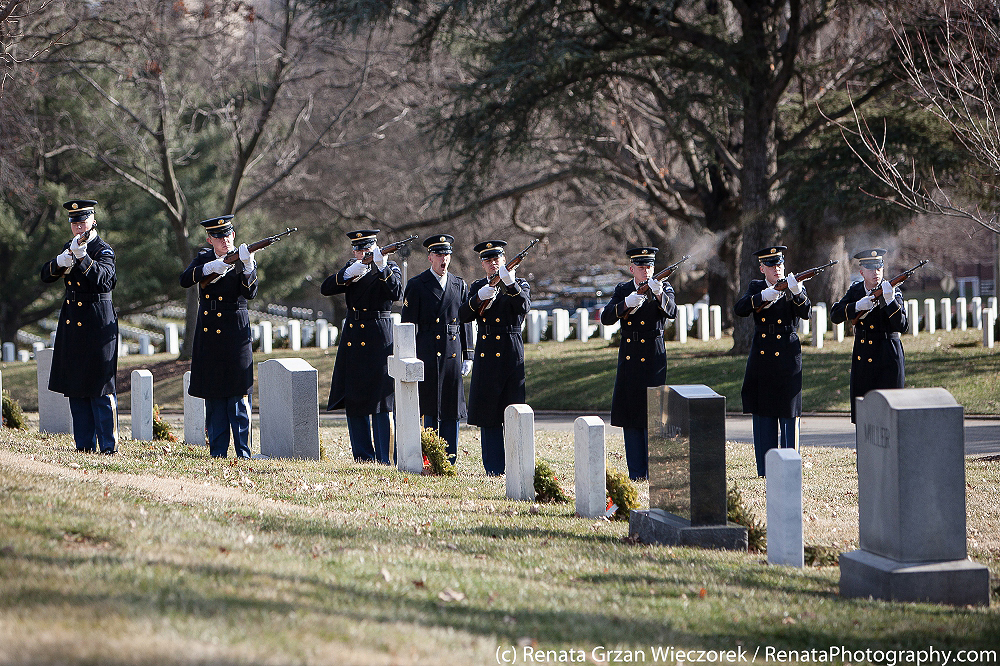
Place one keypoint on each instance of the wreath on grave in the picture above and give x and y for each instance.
(435, 450)
(623, 496)
(161, 429)
(547, 488)
(13, 417)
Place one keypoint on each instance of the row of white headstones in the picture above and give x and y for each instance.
(287, 398)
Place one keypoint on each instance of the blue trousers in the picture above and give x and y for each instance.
(770, 432)
(448, 429)
(637, 452)
(95, 422)
(223, 415)
(494, 460)
(364, 430)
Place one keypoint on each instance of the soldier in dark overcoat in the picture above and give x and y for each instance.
(222, 356)
(772, 385)
(361, 382)
(877, 360)
(498, 360)
(431, 301)
(85, 354)
(642, 359)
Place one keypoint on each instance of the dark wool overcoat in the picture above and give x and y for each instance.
(222, 356)
(877, 360)
(361, 382)
(642, 360)
(85, 356)
(498, 361)
(442, 342)
(772, 385)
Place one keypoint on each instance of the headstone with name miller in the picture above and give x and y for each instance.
(407, 372)
(288, 393)
(519, 451)
(53, 408)
(911, 502)
(687, 471)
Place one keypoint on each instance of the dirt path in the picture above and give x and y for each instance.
(162, 488)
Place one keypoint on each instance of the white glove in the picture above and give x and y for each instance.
(247, 257)
(506, 276)
(378, 259)
(888, 292)
(466, 368)
(864, 304)
(357, 269)
(77, 249)
(770, 294)
(486, 292)
(655, 286)
(635, 299)
(217, 266)
(65, 259)
(793, 285)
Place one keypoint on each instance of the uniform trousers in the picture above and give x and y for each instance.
(771, 432)
(448, 429)
(223, 415)
(494, 459)
(364, 430)
(95, 422)
(636, 452)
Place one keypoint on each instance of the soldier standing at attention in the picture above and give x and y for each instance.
(498, 371)
(361, 382)
(642, 359)
(222, 357)
(772, 385)
(431, 301)
(85, 354)
(877, 361)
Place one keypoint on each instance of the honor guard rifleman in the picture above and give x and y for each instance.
(772, 385)
(498, 360)
(222, 358)
(361, 382)
(642, 359)
(85, 355)
(431, 301)
(877, 361)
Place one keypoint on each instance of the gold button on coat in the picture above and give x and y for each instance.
(776, 353)
(205, 330)
(437, 337)
(79, 303)
(218, 330)
(362, 343)
(439, 353)
(348, 344)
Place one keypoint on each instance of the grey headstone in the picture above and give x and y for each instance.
(9, 352)
(519, 451)
(23, 355)
(911, 502)
(560, 324)
(962, 313)
(701, 312)
(590, 466)
(989, 328)
(930, 316)
(583, 324)
(288, 397)
(946, 314)
(145, 346)
(322, 333)
(977, 312)
(784, 507)
(715, 322)
(194, 416)
(534, 327)
(838, 332)
(294, 334)
(53, 408)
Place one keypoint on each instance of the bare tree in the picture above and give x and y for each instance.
(948, 53)
(169, 86)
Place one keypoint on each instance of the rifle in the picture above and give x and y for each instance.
(388, 249)
(877, 291)
(495, 278)
(809, 274)
(84, 237)
(233, 257)
(661, 276)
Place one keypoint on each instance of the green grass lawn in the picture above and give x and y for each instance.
(575, 375)
(162, 555)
